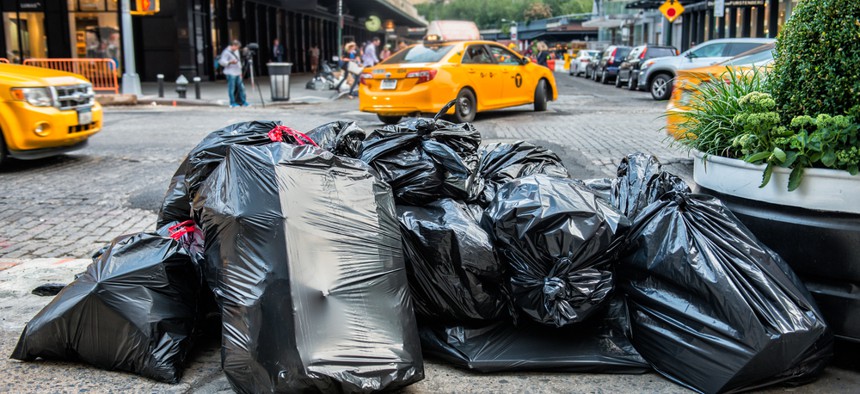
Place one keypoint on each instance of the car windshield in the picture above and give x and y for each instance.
(761, 55)
(420, 54)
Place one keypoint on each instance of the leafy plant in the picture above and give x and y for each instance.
(709, 125)
(815, 69)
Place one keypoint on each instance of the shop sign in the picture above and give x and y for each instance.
(145, 7)
(28, 5)
(719, 8)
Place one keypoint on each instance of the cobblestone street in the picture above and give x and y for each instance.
(54, 213)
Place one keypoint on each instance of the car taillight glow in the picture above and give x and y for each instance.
(642, 56)
(422, 75)
(583, 60)
(364, 77)
(612, 56)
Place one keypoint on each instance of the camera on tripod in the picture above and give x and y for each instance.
(250, 50)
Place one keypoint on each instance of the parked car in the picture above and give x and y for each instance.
(591, 65)
(579, 64)
(608, 67)
(656, 75)
(684, 91)
(45, 112)
(628, 72)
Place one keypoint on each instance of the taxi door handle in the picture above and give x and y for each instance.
(472, 71)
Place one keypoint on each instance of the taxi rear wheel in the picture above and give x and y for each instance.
(465, 109)
(541, 92)
(389, 119)
(3, 154)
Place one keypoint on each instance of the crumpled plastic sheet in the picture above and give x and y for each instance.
(640, 182)
(424, 160)
(559, 241)
(712, 308)
(502, 162)
(453, 271)
(598, 345)
(311, 281)
(342, 138)
(134, 310)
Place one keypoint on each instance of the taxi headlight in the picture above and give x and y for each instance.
(37, 97)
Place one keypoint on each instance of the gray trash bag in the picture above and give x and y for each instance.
(640, 182)
(558, 241)
(453, 271)
(307, 256)
(711, 307)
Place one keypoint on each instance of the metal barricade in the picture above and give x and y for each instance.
(101, 72)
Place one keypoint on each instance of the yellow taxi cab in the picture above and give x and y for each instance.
(684, 89)
(480, 75)
(45, 112)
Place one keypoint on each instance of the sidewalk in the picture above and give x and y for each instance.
(214, 93)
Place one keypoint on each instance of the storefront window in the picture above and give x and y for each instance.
(25, 36)
(94, 28)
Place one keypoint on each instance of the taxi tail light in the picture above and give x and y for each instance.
(364, 77)
(612, 56)
(422, 75)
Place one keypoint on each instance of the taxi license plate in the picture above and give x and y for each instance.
(85, 116)
(388, 84)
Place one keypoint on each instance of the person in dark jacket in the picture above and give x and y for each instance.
(543, 54)
(277, 51)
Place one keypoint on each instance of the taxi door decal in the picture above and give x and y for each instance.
(518, 80)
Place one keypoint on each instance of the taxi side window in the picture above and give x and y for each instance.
(477, 54)
(504, 56)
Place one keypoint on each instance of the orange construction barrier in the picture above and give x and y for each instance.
(4, 60)
(101, 72)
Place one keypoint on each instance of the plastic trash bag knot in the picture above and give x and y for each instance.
(553, 288)
(281, 132)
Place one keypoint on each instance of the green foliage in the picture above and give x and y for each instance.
(709, 125)
(817, 66)
(489, 13)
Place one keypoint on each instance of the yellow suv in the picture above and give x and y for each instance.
(45, 112)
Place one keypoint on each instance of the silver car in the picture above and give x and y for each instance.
(656, 75)
(583, 57)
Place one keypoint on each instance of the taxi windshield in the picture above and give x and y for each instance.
(420, 54)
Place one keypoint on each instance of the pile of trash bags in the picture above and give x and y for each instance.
(338, 259)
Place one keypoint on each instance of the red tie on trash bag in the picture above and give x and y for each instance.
(178, 230)
(277, 134)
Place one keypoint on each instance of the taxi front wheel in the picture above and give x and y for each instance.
(466, 108)
(389, 119)
(541, 92)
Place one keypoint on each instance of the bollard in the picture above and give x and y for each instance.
(181, 86)
(197, 88)
(160, 78)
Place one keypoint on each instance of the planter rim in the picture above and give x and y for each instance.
(822, 189)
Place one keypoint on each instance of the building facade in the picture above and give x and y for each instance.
(186, 36)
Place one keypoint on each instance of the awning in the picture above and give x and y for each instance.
(605, 22)
(385, 9)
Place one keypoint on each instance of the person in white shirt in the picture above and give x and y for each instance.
(231, 61)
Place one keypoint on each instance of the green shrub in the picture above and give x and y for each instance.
(817, 65)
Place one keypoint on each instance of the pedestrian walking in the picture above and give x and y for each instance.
(314, 53)
(543, 54)
(386, 52)
(231, 61)
(369, 58)
(277, 51)
(401, 46)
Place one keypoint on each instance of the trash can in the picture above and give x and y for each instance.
(279, 80)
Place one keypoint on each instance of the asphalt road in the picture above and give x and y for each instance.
(68, 206)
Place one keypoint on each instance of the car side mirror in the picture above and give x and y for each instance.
(526, 61)
(690, 55)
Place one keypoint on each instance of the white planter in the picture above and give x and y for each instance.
(821, 189)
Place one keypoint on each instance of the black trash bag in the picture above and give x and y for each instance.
(133, 310)
(712, 308)
(558, 240)
(341, 138)
(203, 159)
(642, 181)
(501, 162)
(453, 271)
(599, 345)
(424, 159)
(602, 187)
(310, 273)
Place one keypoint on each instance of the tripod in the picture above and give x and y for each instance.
(253, 83)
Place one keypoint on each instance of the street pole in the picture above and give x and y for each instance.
(339, 27)
(130, 79)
